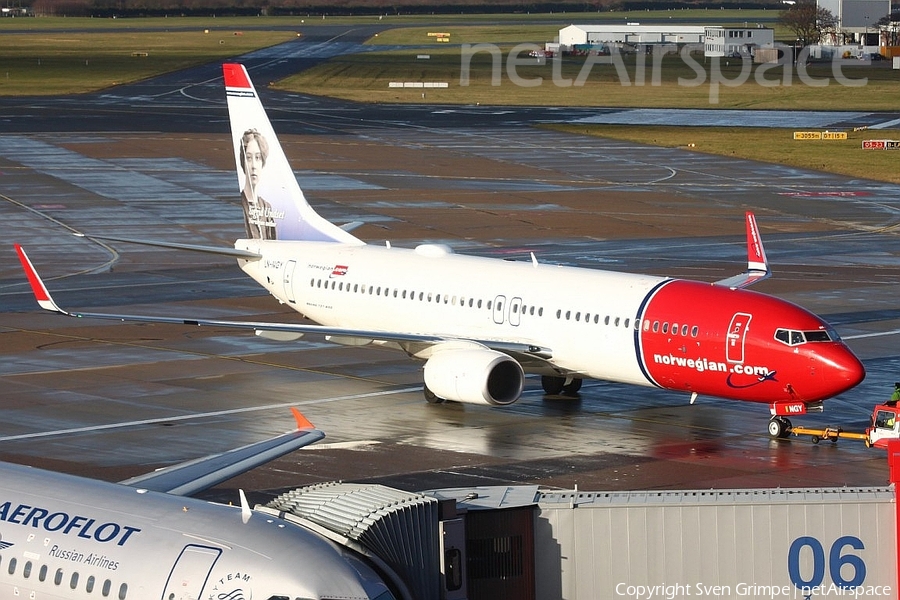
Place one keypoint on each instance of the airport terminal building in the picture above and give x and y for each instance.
(631, 33)
(717, 41)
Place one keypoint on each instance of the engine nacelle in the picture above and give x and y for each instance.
(475, 376)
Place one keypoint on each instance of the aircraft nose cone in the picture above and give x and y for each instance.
(847, 371)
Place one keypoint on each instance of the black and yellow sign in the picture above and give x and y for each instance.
(820, 135)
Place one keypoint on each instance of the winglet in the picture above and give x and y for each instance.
(302, 422)
(187, 478)
(37, 285)
(757, 263)
(756, 254)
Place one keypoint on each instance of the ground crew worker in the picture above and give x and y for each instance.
(895, 396)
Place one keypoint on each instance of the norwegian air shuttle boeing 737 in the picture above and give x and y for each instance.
(481, 324)
(64, 537)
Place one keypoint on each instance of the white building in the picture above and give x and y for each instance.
(718, 41)
(630, 34)
(857, 15)
(856, 23)
(736, 41)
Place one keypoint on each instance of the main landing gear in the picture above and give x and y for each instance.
(554, 385)
(779, 427)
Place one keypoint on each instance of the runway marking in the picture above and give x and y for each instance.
(860, 336)
(357, 445)
(885, 125)
(102, 268)
(246, 358)
(215, 413)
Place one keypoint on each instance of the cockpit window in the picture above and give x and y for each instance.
(792, 337)
(817, 336)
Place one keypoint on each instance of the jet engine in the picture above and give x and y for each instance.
(475, 376)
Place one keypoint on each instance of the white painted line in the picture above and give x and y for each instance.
(885, 125)
(216, 413)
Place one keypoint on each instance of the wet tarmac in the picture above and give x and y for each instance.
(113, 400)
(153, 160)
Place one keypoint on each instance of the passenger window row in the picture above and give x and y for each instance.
(90, 583)
(587, 317)
(665, 327)
(673, 329)
(436, 298)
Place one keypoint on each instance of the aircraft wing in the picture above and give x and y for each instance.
(340, 334)
(757, 264)
(194, 476)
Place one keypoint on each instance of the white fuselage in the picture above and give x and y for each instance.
(585, 317)
(65, 537)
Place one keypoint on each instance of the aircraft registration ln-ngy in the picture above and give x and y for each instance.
(64, 537)
(481, 324)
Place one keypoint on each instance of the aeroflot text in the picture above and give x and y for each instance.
(702, 364)
(701, 590)
(83, 527)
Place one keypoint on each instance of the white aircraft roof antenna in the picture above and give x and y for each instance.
(534, 262)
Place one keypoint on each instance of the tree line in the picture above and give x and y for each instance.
(126, 8)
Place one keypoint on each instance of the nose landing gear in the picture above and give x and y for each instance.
(779, 427)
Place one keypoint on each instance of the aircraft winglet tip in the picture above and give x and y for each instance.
(41, 294)
(302, 421)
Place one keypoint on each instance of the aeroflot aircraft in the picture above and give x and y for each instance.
(64, 537)
(480, 324)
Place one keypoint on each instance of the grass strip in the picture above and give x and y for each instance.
(60, 63)
(486, 78)
(845, 157)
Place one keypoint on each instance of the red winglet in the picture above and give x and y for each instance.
(236, 76)
(756, 255)
(37, 286)
(302, 422)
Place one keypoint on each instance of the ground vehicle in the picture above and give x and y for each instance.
(885, 426)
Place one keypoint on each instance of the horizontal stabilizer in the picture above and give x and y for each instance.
(352, 225)
(194, 476)
(233, 252)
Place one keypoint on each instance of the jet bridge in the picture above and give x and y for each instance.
(523, 543)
